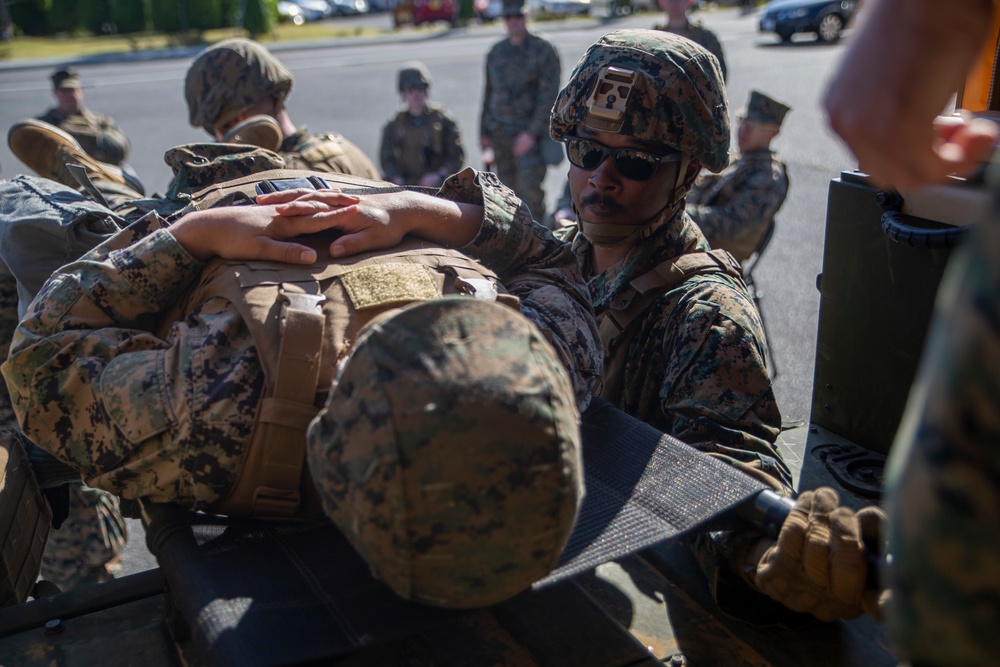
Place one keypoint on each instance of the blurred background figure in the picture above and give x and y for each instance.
(735, 207)
(522, 79)
(97, 133)
(421, 144)
(679, 22)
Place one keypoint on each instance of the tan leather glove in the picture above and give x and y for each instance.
(818, 564)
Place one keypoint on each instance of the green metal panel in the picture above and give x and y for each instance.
(876, 300)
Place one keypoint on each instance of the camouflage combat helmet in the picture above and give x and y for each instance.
(197, 166)
(230, 76)
(414, 75)
(651, 85)
(448, 452)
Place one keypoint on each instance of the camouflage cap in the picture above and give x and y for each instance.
(763, 109)
(449, 452)
(66, 77)
(197, 166)
(654, 86)
(230, 76)
(414, 75)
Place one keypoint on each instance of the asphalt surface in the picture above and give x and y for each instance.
(348, 85)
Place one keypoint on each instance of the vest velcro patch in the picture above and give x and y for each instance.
(380, 285)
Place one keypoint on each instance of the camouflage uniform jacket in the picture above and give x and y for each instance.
(329, 152)
(98, 134)
(734, 207)
(169, 419)
(522, 82)
(699, 34)
(416, 145)
(943, 473)
(696, 369)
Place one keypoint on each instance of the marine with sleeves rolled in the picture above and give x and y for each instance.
(421, 144)
(735, 207)
(236, 81)
(98, 134)
(641, 114)
(416, 390)
(522, 79)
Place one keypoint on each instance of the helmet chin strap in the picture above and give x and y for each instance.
(614, 236)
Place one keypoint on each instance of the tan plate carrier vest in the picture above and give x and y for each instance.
(618, 327)
(303, 320)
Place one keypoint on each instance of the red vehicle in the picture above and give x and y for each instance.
(415, 12)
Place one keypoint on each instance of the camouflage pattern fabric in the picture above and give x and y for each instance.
(230, 76)
(86, 548)
(8, 322)
(197, 166)
(521, 83)
(943, 474)
(702, 36)
(329, 152)
(734, 208)
(169, 419)
(413, 146)
(693, 118)
(469, 500)
(98, 134)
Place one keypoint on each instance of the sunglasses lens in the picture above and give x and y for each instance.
(584, 154)
(635, 165)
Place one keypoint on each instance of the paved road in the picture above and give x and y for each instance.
(348, 85)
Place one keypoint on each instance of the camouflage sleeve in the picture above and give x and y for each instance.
(486, 113)
(755, 201)
(716, 390)
(386, 153)
(539, 269)
(454, 152)
(701, 186)
(137, 414)
(549, 72)
(943, 474)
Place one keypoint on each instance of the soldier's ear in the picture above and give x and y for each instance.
(693, 169)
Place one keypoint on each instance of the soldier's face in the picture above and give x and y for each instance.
(69, 99)
(752, 135)
(604, 195)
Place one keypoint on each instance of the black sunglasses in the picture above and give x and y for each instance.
(633, 164)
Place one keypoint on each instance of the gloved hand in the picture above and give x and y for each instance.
(818, 564)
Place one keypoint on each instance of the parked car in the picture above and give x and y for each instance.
(547, 8)
(349, 7)
(415, 12)
(825, 18)
(488, 10)
(296, 13)
(316, 9)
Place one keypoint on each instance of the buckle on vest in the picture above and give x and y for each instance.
(310, 303)
(275, 503)
(480, 288)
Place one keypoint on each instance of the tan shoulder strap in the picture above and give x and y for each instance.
(271, 480)
(616, 325)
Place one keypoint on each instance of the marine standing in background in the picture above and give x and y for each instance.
(679, 22)
(236, 88)
(421, 145)
(734, 208)
(522, 79)
(98, 134)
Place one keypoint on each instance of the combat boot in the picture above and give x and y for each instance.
(47, 150)
(261, 131)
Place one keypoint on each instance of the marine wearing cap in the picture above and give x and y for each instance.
(66, 77)
(763, 109)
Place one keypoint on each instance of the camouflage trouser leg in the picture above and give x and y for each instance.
(86, 548)
(524, 175)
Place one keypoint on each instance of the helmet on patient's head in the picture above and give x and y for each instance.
(652, 85)
(448, 452)
(230, 76)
